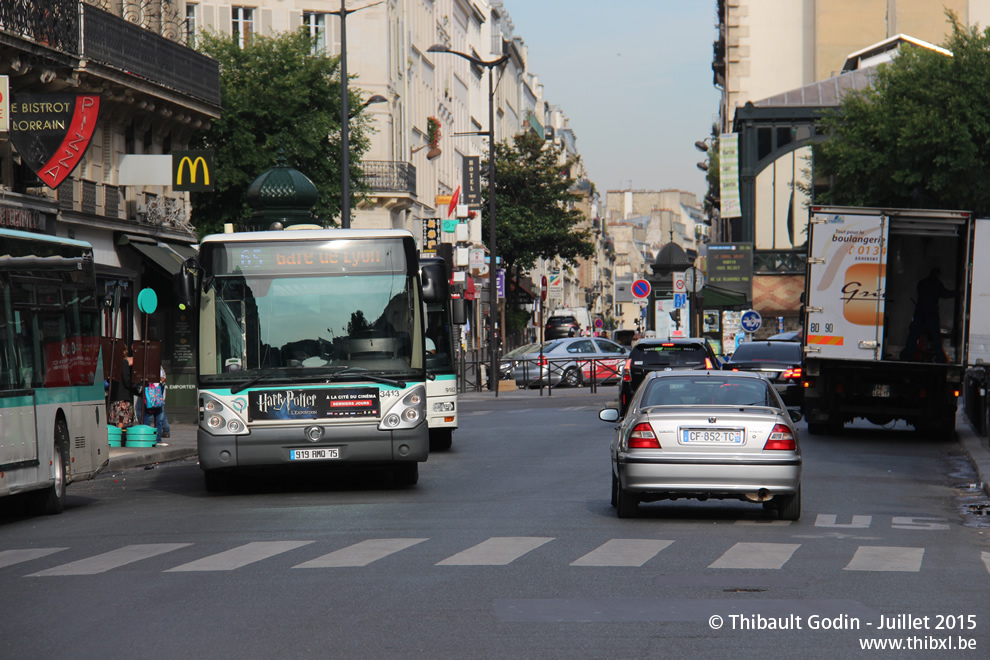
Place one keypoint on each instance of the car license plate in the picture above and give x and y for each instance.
(881, 391)
(711, 436)
(322, 454)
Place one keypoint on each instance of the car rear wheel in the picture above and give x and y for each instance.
(572, 377)
(627, 503)
(789, 507)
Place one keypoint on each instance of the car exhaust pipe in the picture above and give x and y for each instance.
(761, 495)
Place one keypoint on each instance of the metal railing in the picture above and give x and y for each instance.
(389, 176)
(548, 374)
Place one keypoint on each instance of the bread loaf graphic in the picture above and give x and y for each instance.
(861, 293)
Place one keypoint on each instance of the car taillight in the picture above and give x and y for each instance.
(791, 373)
(626, 373)
(708, 363)
(643, 437)
(781, 438)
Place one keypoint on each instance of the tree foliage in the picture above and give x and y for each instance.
(920, 136)
(277, 97)
(535, 215)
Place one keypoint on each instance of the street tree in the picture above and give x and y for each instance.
(535, 215)
(277, 98)
(919, 137)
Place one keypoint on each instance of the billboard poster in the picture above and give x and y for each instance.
(51, 132)
(728, 172)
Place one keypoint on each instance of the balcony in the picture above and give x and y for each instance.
(389, 176)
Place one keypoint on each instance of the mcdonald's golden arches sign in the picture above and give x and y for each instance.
(192, 170)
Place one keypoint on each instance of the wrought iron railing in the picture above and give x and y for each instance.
(88, 196)
(53, 23)
(389, 176)
(123, 45)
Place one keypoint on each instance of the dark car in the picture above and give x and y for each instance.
(663, 355)
(562, 326)
(777, 361)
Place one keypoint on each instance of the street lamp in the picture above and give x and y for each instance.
(492, 288)
(345, 138)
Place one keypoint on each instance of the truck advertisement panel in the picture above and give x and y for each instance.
(979, 321)
(846, 279)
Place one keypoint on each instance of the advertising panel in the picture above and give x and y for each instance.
(51, 132)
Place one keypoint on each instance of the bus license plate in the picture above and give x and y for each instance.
(712, 436)
(881, 391)
(314, 454)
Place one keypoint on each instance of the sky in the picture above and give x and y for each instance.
(634, 78)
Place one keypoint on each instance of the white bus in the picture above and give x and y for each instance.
(311, 350)
(52, 405)
(441, 383)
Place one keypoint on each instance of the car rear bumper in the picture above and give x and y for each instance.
(780, 477)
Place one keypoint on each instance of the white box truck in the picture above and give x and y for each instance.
(896, 308)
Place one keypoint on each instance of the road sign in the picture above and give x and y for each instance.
(599, 323)
(694, 280)
(679, 284)
(640, 289)
(751, 321)
(680, 299)
(543, 288)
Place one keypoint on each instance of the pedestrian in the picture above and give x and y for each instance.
(122, 393)
(154, 405)
(930, 291)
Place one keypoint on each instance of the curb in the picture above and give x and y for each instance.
(138, 459)
(976, 450)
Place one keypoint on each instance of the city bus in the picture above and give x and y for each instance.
(311, 350)
(441, 384)
(52, 405)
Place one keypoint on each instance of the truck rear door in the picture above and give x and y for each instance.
(847, 261)
(979, 301)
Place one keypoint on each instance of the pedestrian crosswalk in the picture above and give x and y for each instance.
(495, 551)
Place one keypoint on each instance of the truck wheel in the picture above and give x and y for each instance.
(789, 507)
(51, 501)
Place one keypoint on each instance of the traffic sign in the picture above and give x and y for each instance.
(694, 280)
(680, 299)
(640, 289)
(599, 323)
(543, 288)
(751, 321)
(680, 286)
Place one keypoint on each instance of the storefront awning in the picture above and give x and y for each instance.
(165, 257)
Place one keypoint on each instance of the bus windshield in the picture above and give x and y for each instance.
(292, 312)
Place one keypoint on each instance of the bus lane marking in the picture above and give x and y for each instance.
(241, 556)
(623, 552)
(361, 554)
(886, 558)
(496, 551)
(756, 555)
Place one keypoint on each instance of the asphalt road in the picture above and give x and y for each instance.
(508, 547)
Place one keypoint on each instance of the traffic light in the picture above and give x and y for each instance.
(675, 316)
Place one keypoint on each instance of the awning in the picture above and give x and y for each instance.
(163, 256)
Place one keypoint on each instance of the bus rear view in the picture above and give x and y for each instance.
(311, 352)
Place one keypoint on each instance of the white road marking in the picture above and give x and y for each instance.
(911, 522)
(113, 559)
(240, 556)
(756, 555)
(11, 557)
(360, 554)
(858, 522)
(623, 552)
(886, 558)
(496, 551)
(985, 556)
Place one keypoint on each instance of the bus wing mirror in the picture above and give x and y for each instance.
(434, 280)
(184, 283)
(458, 311)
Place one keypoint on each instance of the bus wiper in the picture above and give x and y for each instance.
(363, 373)
(248, 383)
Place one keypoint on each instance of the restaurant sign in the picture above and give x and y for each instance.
(52, 131)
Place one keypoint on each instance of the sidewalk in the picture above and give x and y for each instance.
(181, 444)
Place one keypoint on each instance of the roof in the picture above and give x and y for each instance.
(824, 93)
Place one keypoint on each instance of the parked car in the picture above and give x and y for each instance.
(663, 355)
(561, 326)
(778, 361)
(625, 337)
(570, 361)
(793, 335)
(706, 435)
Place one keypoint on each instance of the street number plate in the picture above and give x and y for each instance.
(314, 454)
(881, 391)
(711, 436)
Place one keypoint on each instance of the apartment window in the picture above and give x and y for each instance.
(243, 24)
(191, 10)
(316, 24)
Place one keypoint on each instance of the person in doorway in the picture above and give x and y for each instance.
(925, 321)
(122, 394)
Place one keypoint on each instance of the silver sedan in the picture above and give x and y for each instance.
(570, 361)
(706, 435)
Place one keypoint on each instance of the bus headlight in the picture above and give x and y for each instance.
(407, 413)
(216, 421)
(218, 416)
(443, 406)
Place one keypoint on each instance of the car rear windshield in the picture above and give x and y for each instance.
(768, 351)
(668, 355)
(707, 391)
(561, 320)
